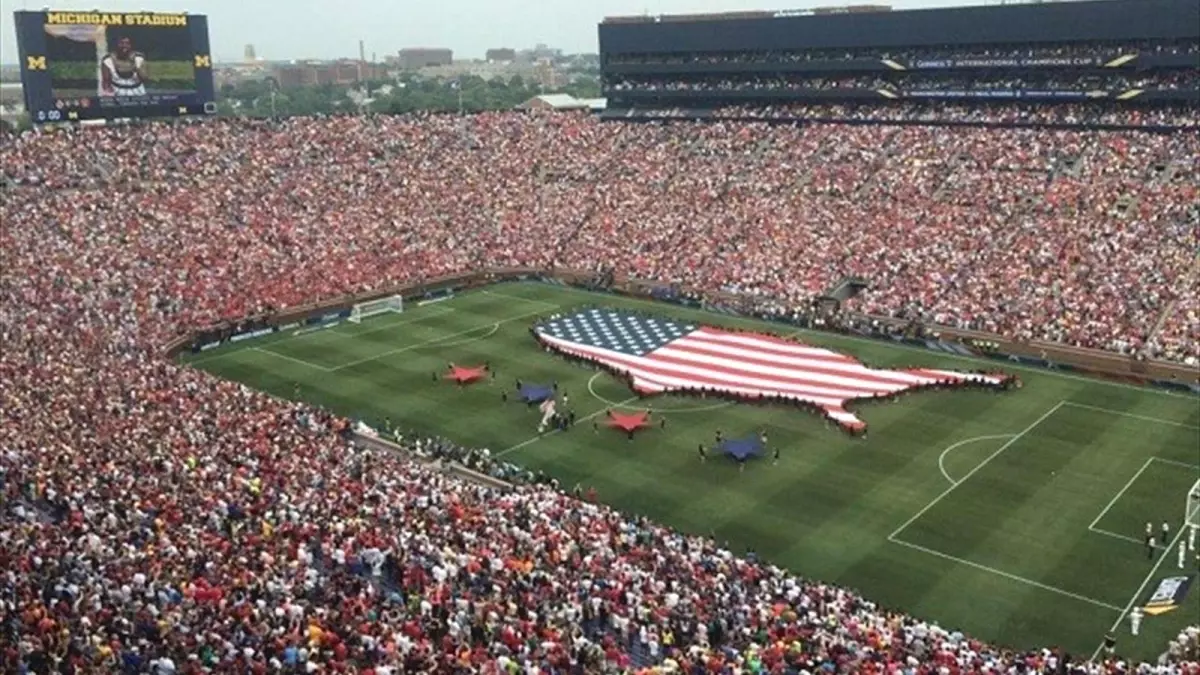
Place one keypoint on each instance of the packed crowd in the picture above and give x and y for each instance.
(155, 519)
(1097, 50)
(910, 82)
(1066, 114)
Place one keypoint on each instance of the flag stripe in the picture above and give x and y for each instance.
(662, 355)
(852, 375)
(664, 376)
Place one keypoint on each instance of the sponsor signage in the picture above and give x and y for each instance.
(252, 334)
(1168, 595)
(1039, 62)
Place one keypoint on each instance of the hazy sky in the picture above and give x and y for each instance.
(287, 29)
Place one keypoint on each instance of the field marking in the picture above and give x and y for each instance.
(1173, 462)
(617, 404)
(518, 298)
(942, 457)
(307, 331)
(1115, 535)
(1138, 593)
(453, 343)
(894, 537)
(1016, 437)
(436, 311)
(310, 364)
(1111, 502)
(1007, 575)
(875, 341)
(1144, 418)
(435, 340)
(539, 437)
(1122, 537)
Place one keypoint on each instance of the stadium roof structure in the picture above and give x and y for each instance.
(563, 102)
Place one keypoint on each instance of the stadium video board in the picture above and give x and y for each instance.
(109, 65)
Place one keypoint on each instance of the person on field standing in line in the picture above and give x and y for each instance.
(1135, 620)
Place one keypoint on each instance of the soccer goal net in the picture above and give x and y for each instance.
(364, 310)
(1191, 514)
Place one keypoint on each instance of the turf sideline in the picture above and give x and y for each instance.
(1138, 593)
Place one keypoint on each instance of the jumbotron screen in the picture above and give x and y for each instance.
(109, 65)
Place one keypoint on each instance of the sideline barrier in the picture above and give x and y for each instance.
(1094, 362)
(452, 467)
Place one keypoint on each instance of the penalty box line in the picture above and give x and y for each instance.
(1093, 526)
(894, 537)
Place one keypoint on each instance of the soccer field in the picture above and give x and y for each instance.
(1015, 517)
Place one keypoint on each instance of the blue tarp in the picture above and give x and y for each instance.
(742, 448)
(535, 393)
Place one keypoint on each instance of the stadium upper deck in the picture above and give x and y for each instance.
(1119, 51)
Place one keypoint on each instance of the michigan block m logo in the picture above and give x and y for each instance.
(35, 63)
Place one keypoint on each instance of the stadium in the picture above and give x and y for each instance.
(841, 341)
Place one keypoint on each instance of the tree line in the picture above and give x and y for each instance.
(408, 94)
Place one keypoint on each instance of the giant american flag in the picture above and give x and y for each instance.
(661, 355)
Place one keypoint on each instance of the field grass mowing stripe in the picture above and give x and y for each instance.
(1138, 593)
(1018, 436)
(897, 345)
(1144, 418)
(1007, 575)
(439, 340)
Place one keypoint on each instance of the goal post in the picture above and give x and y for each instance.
(364, 310)
(1191, 513)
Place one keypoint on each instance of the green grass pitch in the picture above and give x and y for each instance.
(1015, 517)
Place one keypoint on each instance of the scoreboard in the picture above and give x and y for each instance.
(111, 65)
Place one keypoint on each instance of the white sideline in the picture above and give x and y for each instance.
(310, 364)
(1138, 593)
(1122, 413)
(1007, 575)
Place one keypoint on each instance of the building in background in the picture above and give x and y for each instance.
(340, 72)
(415, 58)
(500, 55)
(249, 55)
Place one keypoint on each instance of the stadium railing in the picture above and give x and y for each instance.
(1054, 355)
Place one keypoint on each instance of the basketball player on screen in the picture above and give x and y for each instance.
(123, 71)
